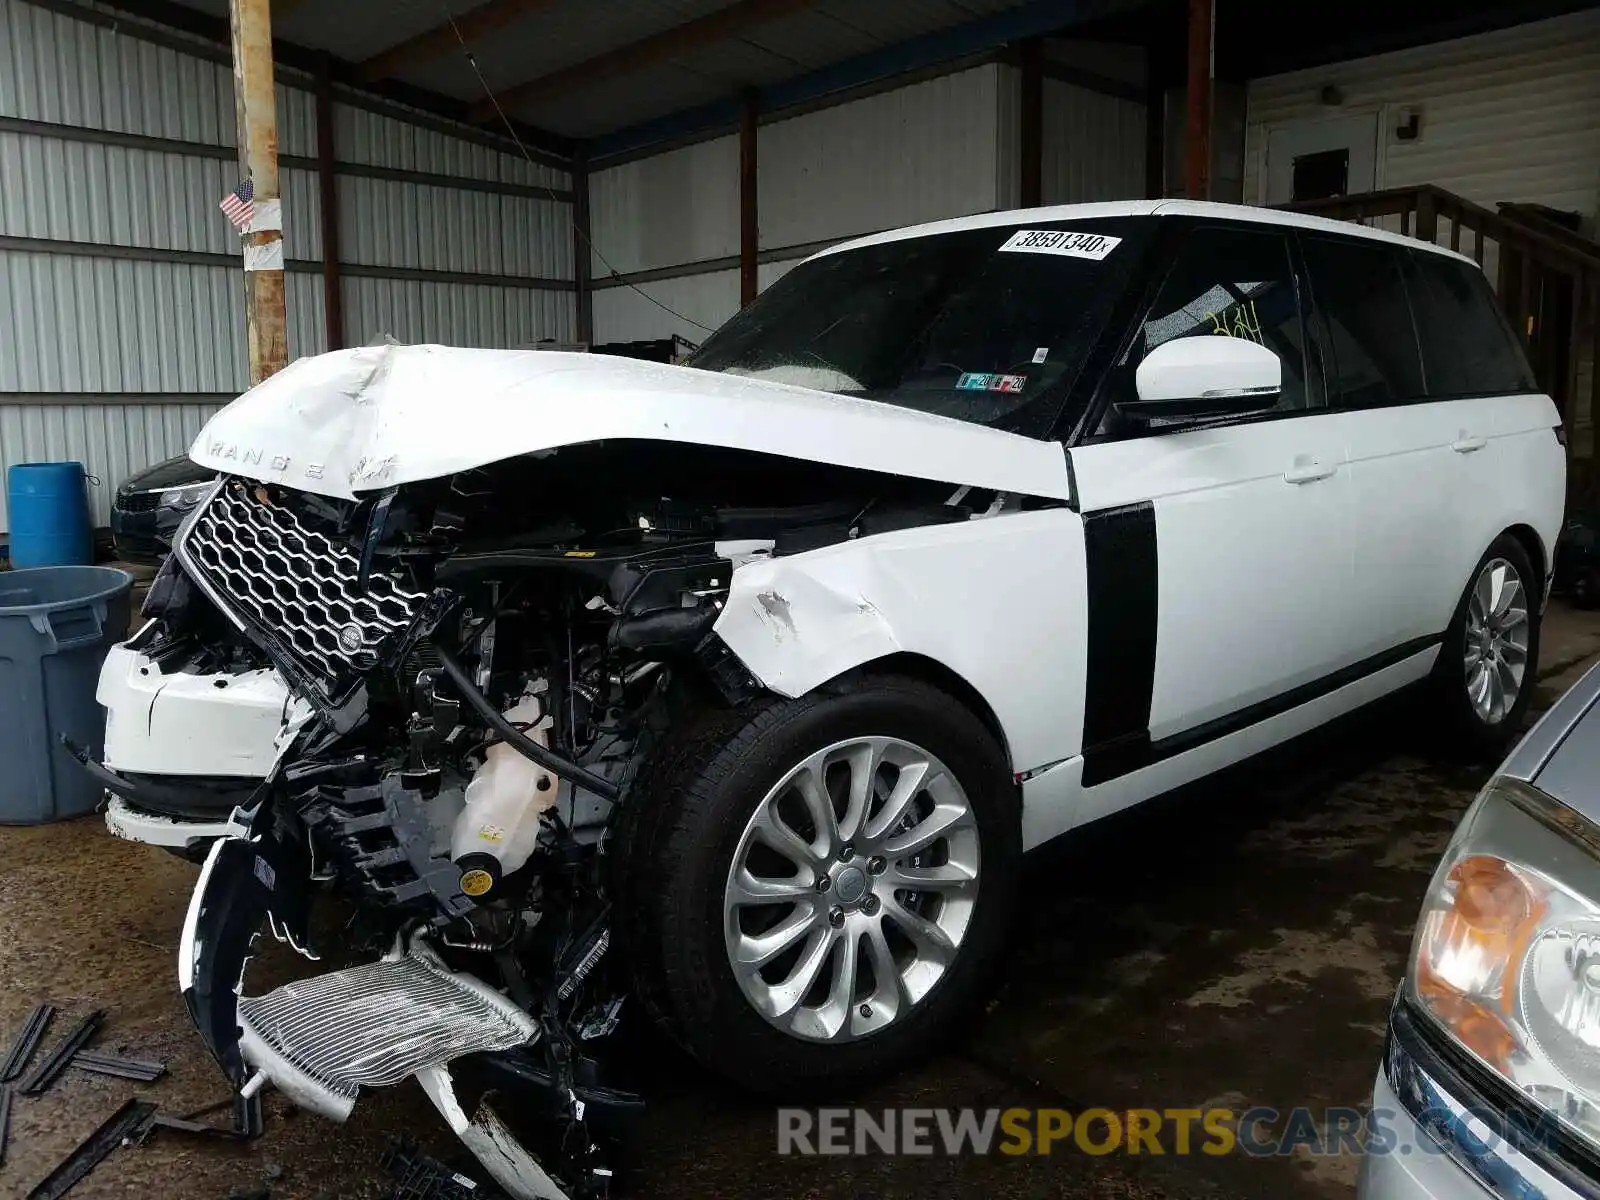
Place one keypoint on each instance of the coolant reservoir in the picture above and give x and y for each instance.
(499, 827)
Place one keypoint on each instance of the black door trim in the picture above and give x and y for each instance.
(1120, 558)
(1104, 761)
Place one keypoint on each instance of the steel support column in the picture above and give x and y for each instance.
(749, 228)
(1197, 125)
(328, 194)
(584, 297)
(1031, 123)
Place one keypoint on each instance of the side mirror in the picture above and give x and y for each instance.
(1207, 375)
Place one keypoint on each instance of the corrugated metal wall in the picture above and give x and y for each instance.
(1094, 146)
(1508, 115)
(122, 315)
(701, 302)
(111, 440)
(918, 153)
(937, 148)
(672, 208)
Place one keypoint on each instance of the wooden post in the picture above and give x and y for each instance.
(1427, 218)
(583, 294)
(749, 229)
(1197, 125)
(328, 193)
(1031, 122)
(256, 111)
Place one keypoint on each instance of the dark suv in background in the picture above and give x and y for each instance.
(150, 505)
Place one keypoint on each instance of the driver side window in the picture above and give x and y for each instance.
(1223, 283)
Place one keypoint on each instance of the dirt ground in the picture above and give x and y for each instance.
(1234, 945)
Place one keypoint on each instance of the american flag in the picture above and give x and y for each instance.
(239, 205)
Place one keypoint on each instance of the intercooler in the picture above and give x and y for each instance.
(323, 1039)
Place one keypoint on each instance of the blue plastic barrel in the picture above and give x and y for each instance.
(48, 507)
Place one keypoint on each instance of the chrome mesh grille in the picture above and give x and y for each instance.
(275, 571)
(375, 1025)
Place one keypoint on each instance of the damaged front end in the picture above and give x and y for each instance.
(478, 667)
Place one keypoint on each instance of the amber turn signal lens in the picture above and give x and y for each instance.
(1471, 949)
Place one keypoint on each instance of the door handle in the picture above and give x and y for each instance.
(1465, 443)
(1307, 468)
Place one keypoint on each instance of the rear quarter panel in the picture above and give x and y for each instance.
(1532, 467)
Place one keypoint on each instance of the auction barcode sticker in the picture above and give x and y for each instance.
(1066, 242)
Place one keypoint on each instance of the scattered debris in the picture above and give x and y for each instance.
(246, 1127)
(124, 1068)
(5, 1121)
(27, 1042)
(49, 1070)
(418, 1177)
(127, 1122)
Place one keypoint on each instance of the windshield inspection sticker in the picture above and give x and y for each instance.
(972, 381)
(1066, 242)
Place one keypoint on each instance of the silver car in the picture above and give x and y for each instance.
(1491, 1074)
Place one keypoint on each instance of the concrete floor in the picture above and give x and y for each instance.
(1235, 945)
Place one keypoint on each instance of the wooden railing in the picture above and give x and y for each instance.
(1548, 281)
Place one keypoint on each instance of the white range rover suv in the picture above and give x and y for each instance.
(738, 690)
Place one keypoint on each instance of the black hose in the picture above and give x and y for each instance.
(516, 739)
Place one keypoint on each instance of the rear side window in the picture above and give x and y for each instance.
(1467, 347)
(1359, 291)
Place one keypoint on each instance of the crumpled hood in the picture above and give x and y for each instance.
(357, 420)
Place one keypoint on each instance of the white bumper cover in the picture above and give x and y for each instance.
(230, 726)
(171, 833)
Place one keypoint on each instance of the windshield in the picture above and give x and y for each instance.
(986, 325)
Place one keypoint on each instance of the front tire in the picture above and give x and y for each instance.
(818, 887)
(1489, 661)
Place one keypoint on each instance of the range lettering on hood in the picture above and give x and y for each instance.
(218, 452)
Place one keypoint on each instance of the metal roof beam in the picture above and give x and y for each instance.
(958, 41)
(658, 48)
(544, 146)
(441, 39)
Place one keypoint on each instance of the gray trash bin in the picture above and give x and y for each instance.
(56, 624)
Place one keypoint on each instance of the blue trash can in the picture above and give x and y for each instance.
(56, 624)
(47, 506)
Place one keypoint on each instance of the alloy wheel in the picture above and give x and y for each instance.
(1497, 638)
(851, 889)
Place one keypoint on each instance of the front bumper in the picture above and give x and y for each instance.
(1432, 1134)
(1419, 1167)
(144, 535)
(191, 747)
(211, 726)
(182, 834)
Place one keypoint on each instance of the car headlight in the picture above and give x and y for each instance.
(1506, 959)
(184, 497)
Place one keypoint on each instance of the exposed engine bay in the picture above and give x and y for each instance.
(483, 665)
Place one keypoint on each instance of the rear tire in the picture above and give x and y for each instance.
(725, 858)
(1489, 662)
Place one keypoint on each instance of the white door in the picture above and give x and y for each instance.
(1321, 157)
(1424, 368)
(1216, 555)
